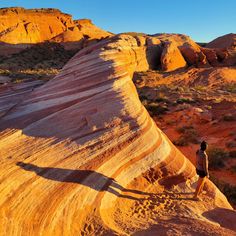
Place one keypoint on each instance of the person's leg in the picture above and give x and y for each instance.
(200, 184)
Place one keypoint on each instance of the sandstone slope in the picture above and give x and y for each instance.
(80, 155)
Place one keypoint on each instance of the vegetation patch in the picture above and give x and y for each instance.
(40, 61)
(230, 88)
(188, 135)
(156, 109)
(185, 100)
(228, 190)
(228, 117)
(217, 157)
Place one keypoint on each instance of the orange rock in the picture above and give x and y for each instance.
(21, 26)
(193, 55)
(171, 58)
(225, 41)
(82, 149)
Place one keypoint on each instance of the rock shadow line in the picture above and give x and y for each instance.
(99, 182)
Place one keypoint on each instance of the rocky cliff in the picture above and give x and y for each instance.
(23, 26)
(81, 155)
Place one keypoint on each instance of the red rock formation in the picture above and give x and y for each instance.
(171, 58)
(225, 41)
(81, 155)
(24, 27)
(198, 56)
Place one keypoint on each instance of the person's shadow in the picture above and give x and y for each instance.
(99, 182)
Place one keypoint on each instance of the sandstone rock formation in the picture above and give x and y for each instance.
(80, 155)
(30, 26)
(225, 41)
(198, 56)
(171, 58)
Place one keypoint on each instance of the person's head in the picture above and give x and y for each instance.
(203, 145)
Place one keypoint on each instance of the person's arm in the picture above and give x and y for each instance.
(205, 165)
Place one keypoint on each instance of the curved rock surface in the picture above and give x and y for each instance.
(80, 155)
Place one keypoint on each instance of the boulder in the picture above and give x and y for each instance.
(171, 57)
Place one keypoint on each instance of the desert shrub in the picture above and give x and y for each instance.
(200, 88)
(233, 169)
(32, 61)
(228, 117)
(230, 88)
(185, 100)
(183, 129)
(156, 109)
(143, 97)
(217, 100)
(208, 107)
(217, 156)
(228, 190)
(231, 144)
(181, 141)
(5, 72)
(181, 89)
(170, 122)
(232, 154)
(161, 97)
(188, 135)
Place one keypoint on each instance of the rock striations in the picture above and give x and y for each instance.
(80, 155)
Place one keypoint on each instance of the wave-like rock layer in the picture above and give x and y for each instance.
(80, 155)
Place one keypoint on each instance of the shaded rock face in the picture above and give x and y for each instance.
(82, 149)
(21, 26)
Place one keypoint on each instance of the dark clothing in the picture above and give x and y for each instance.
(201, 173)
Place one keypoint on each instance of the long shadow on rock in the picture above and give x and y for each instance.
(97, 181)
(225, 217)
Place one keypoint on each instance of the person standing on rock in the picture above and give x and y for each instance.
(201, 168)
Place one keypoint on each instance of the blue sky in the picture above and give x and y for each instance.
(203, 20)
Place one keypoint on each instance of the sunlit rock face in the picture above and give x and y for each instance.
(218, 53)
(80, 155)
(29, 26)
(172, 58)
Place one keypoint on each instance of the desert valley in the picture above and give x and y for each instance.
(99, 131)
